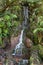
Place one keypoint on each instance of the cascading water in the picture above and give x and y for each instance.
(20, 40)
(25, 13)
(19, 47)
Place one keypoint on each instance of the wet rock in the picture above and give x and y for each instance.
(14, 41)
(28, 42)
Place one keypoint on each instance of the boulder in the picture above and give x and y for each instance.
(28, 42)
(14, 41)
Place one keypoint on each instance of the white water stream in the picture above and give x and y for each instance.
(19, 46)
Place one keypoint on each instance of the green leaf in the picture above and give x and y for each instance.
(6, 17)
(5, 32)
(2, 24)
(0, 41)
(13, 16)
(16, 23)
(0, 30)
(9, 24)
(38, 30)
(41, 23)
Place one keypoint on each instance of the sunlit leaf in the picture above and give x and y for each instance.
(2, 24)
(13, 16)
(9, 24)
(7, 17)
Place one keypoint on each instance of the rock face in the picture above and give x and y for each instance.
(14, 41)
(28, 42)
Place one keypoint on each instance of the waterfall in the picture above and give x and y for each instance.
(19, 46)
(20, 40)
(25, 13)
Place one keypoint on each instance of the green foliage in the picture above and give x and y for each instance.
(40, 50)
(35, 32)
(13, 16)
(41, 24)
(38, 30)
(8, 24)
(2, 24)
(31, 1)
(6, 17)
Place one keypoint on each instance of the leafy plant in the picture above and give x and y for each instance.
(7, 26)
(40, 50)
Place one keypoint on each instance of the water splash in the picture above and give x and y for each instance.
(18, 48)
(20, 40)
